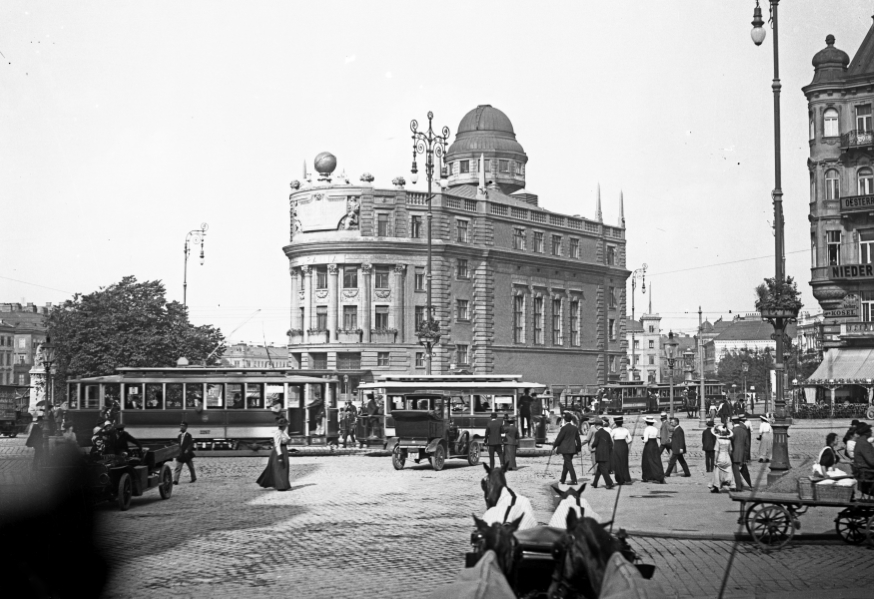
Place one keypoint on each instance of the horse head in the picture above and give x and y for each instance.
(492, 484)
(581, 558)
(500, 539)
(570, 492)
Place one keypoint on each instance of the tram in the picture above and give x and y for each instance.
(472, 398)
(224, 407)
(636, 396)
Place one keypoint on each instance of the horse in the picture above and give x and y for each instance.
(501, 539)
(571, 500)
(503, 505)
(581, 558)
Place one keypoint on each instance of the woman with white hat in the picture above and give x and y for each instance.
(722, 474)
(275, 475)
(766, 438)
(651, 463)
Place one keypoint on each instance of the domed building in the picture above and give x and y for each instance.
(516, 288)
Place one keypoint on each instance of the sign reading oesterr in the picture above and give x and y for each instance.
(857, 203)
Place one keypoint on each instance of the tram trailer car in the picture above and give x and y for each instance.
(14, 417)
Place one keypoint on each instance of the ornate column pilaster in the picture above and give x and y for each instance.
(307, 274)
(296, 297)
(332, 302)
(366, 271)
(399, 271)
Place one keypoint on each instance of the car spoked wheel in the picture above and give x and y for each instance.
(125, 492)
(397, 458)
(473, 453)
(166, 486)
(439, 458)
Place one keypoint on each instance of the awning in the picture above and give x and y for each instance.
(844, 365)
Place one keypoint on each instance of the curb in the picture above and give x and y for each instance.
(706, 536)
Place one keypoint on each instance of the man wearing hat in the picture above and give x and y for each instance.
(863, 454)
(493, 440)
(122, 438)
(743, 420)
(724, 411)
(511, 440)
(186, 453)
(567, 443)
(708, 444)
(739, 444)
(602, 444)
(678, 448)
(665, 435)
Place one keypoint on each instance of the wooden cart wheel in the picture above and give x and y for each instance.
(125, 492)
(166, 486)
(869, 531)
(397, 458)
(473, 453)
(439, 458)
(851, 524)
(750, 515)
(772, 527)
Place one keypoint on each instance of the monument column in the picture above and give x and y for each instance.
(332, 302)
(399, 270)
(306, 325)
(366, 270)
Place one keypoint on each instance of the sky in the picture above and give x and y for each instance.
(125, 125)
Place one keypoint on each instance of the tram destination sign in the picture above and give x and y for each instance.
(857, 204)
(852, 271)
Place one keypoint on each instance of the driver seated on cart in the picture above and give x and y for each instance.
(122, 437)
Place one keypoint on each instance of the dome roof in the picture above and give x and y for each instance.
(485, 129)
(485, 118)
(830, 56)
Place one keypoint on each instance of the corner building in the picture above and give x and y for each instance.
(516, 288)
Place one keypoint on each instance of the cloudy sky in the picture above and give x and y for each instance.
(127, 124)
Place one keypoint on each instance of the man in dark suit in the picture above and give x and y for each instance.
(122, 438)
(186, 453)
(724, 411)
(602, 443)
(863, 456)
(665, 435)
(525, 413)
(493, 440)
(708, 443)
(678, 448)
(567, 443)
(738, 454)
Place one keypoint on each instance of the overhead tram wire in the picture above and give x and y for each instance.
(771, 257)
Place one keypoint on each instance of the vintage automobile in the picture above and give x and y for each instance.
(118, 478)
(424, 429)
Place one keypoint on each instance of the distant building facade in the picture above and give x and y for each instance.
(24, 325)
(645, 345)
(245, 355)
(516, 288)
(746, 333)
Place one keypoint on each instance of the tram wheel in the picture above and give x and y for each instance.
(438, 458)
(397, 458)
(772, 527)
(851, 524)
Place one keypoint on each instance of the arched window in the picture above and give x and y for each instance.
(830, 123)
(811, 127)
(866, 181)
(832, 185)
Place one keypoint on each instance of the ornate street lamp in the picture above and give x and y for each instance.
(639, 273)
(745, 367)
(47, 355)
(193, 237)
(432, 146)
(671, 349)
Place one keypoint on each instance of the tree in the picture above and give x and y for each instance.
(126, 324)
(730, 369)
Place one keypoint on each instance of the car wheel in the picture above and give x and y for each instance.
(473, 453)
(397, 458)
(439, 458)
(125, 492)
(166, 486)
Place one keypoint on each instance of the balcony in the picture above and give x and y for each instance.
(860, 204)
(857, 139)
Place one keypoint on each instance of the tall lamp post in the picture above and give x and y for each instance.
(193, 237)
(671, 350)
(47, 352)
(745, 367)
(432, 146)
(639, 273)
(780, 462)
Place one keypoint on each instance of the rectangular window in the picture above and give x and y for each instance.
(651, 344)
(867, 306)
(538, 242)
(235, 396)
(382, 358)
(556, 245)
(575, 248)
(462, 354)
(318, 361)
(518, 238)
(488, 165)
(611, 297)
(504, 165)
(611, 255)
(154, 396)
(215, 395)
(72, 396)
(462, 269)
(832, 185)
(461, 309)
(519, 319)
(538, 321)
(651, 329)
(813, 250)
(92, 396)
(382, 224)
(381, 321)
(464, 166)
(350, 318)
(321, 318)
(556, 323)
(651, 360)
(133, 396)
(419, 279)
(193, 395)
(575, 322)
(611, 325)
(380, 277)
(866, 247)
(275, 395)
(420, 315)
(22, 358)
(863, 118)
(461, 230)
(637, 344)
(321, 278)
(255, 396)
(349, 361)
(22, 343)
(830, 128)
(350, 277)
(416, 227)
(420, 359)
(613, 363)
(834, 247)
(174, 396)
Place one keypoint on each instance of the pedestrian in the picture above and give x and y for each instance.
(723, 474)
(678, 448)
(590, 434)
(651, 463)
(739, 442)
(665, 435)
(748, 456)
(36, 440)
(525, 412)
(511, 440)
(70, 434)
(122, 439)
(724, 412)
(863, 455)
(568, 444)
(828, 457)
(621, 445)
(493, 440)
(712, 410)
(708, 443)
(186, 453)
(276, 473)
(602, 443)
(348, 422)
(766, 439)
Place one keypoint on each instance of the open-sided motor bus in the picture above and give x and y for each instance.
(225, 407)
(472, 400)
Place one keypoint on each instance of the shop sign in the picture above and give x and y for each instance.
(841, 313)
(858, 327)
(857, 203)
(853, 271)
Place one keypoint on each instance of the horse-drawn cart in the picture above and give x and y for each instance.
(424, 430)
(118, 478)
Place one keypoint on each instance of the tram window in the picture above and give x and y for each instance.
(395, 402)
(174, 396)
(194, 395)
(235, 396)
(503, 403)
(459, 404)
(92, 397)
(215, 395)
(254, 396)
(276, 396)
(111, 394)
(133, 396)
(73, 397)
(154, 396)
(482, 403)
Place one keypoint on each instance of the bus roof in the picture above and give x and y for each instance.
(452, 385)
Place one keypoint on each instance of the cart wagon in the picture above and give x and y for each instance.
(119, 478)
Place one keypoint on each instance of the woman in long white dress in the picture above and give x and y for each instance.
(722, 474)
(766, 438)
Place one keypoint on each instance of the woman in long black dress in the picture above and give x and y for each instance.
(621, 443)
(651, 462)
(275, 475)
